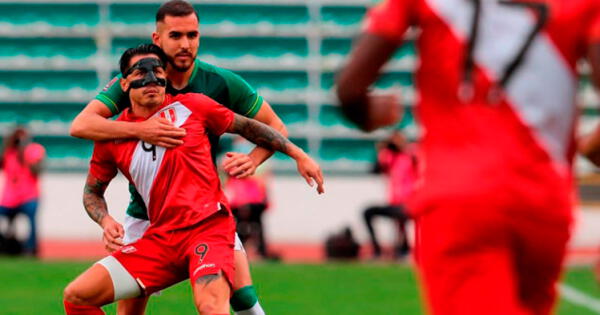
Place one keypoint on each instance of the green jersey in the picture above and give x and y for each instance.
(224, 86)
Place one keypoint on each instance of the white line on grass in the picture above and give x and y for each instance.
(579, 298)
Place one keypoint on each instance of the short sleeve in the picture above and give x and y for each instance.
(113, 96)
(216, 117)
(102, 165)
(243, 98)
(593, 34)
(389, 19)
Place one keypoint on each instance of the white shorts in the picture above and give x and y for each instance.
(135, 229)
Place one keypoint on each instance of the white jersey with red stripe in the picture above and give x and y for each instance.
(496, 87)
(180, 186)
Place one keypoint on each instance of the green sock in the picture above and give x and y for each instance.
(244, 298)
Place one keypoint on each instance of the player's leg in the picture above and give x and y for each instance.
(465, 261)
(101, 284)
(539, 261)
(133, 306)
(244, 300)
(211, 294)
(30, 210)
(134, 230)
(369, 214)
(209, 255)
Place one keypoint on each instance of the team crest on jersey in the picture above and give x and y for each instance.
(109, 84)
(128, 249)
(169, 114)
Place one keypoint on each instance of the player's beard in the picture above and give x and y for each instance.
(178, 68)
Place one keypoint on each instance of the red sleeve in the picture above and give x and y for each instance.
(217, 118)
(102, 165)
(389, 19)
(593, 35)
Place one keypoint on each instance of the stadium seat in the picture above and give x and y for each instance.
(342, 16)
(339, 149)
(48, 15)
(295, 115)
(48, 80)
(260, 47)
(60, 147)
(44, 48)
(386, 80)
(279, 81)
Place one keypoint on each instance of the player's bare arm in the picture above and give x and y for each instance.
(589, 145)
(93, 124)
(367, 111)
(267, 137)
(96, 208)
(244, 165)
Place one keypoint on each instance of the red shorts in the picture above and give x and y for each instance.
(476, 258)
(160, 259)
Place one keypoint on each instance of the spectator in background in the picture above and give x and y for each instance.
(249, 200)
(398, 163)
(21, 160)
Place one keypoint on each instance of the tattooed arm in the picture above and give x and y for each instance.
(269, 138)
(95, 206)
(93, 198)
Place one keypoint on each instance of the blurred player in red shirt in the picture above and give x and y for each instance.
(191, 233)
(496, 84)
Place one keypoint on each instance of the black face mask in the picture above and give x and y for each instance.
(146, 66)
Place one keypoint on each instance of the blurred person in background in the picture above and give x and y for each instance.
(496, 82)
(22, 162)
(248, 197)
(396, 160)
(177, 33)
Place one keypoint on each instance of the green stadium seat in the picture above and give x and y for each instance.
(261, 47)
(120, 44)
(292, 115)
(330, 116)
(277, 81)
(343, 16)
(213, 14)
(43, 47)
(48, 80)
(133, 14)
(64, 147)
(62, 113)
(361, 150)
(49, 14)
(386, 81)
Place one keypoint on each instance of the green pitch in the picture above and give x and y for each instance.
(33, 287)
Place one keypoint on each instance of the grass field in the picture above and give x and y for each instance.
(34, 287)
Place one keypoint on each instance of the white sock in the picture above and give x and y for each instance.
(254, 310)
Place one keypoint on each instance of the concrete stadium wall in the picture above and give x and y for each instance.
(297, 214)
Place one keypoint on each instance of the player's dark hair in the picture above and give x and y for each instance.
(175, 8)
(142, 49)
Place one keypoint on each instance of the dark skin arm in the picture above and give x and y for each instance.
(269, 138)
(589, 145)
(95, 206)
(367, 111)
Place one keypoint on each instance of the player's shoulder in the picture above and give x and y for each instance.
(193, 99)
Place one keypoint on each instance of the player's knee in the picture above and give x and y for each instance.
(206, 304)
(75, 295)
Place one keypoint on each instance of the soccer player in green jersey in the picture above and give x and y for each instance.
(177, 34)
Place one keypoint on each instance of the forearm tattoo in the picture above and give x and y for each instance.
(260, 134)
(93, 198)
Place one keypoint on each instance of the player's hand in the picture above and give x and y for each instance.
(239, 165)
(311, 171)
(159, 131)
(113, 234)
(384, 110)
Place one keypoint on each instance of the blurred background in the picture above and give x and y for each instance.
(55, 56)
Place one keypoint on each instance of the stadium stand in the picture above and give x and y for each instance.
(56, 55)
